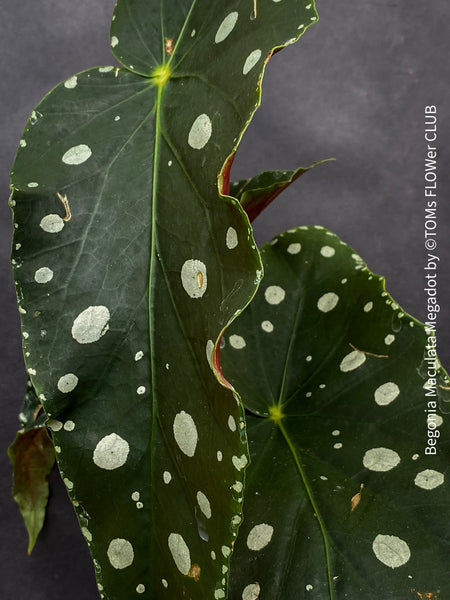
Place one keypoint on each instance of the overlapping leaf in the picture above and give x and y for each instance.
(128, 266)
(256, 193)
(32, 456)
(347, 493)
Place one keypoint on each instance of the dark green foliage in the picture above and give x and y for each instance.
(342, 499)
(132, 258)
(129, 263)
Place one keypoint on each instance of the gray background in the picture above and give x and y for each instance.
(354, 88)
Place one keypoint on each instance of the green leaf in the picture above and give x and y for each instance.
(256, 193)
(344, 498)
(32, 456)
(129, 265)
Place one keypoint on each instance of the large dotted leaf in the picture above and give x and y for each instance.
(345, 497)
(129, 265)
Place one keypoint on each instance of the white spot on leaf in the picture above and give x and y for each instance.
(368, 307)
(140, 588)
(435, 419)
(237, 487)
(274, 294)
(251, 61)
(381, 459)
(239, 462)
(231, 423)
(43, 275)
(251, 591)
(33, 184)
(52, 223)
(386, 393)
(237, 342)
(167, 477)
(259, 537)
(209, 351)
(77, 155)
(204, 504)
(55, 425)
(67, 383)
(327, 302)
(389, 339)
(180, 553)
(429, 479)
(91, 324)
(200, 132)
(120, 553)
(352, 361)
(267, 326)
(114, 41)
(327, 251)
(68, 483)
(231, 238)
(391, 550)
(219, 456)
(71, 82)
(194, 278)
(138, 355)
(226, 27)
(141, 390)
(294, 248)
(111, 452)
(185, 433)
(69, 426)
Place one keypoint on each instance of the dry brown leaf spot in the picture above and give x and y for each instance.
(356, 498)
(194, 572)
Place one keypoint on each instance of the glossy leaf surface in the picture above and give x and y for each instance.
(128, 266)
(342, 498)
(32, 456)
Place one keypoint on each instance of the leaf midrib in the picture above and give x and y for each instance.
(314, 506)
(151, 288)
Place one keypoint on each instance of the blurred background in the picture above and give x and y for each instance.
(354, 88)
